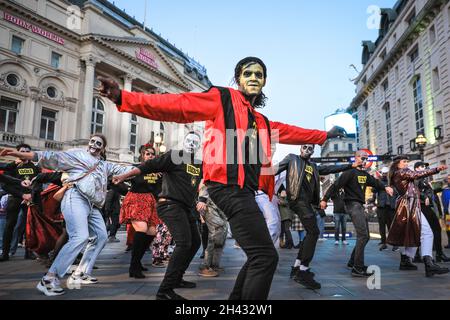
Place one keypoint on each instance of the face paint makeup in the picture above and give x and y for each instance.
(307, 151)
(192, 143)
(95, 146)
(252, 81)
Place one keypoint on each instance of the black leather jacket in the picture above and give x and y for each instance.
(295, 166)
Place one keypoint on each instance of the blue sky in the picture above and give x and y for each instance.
(307, 46)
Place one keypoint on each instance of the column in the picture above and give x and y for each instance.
(125, 125)
(86, 116)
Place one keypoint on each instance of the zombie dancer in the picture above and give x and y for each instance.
(303, 193)
(139, 209)
(182, 176)
(230, 174)
(410, 228)
(88, 174)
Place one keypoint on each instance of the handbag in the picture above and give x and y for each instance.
(59, 195)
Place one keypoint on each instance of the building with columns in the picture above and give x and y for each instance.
(52, 51)
(404, 88)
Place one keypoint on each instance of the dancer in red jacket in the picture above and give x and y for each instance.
(237, 149)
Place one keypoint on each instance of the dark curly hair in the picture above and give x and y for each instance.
(261, 99)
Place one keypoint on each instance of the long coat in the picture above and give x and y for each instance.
(406, 227)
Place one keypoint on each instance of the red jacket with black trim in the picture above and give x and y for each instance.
(224, 110)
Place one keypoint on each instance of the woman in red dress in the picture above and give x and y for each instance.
(139, 209)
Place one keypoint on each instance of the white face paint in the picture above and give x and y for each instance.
(307, 151)
(95, 146)
(192, 143)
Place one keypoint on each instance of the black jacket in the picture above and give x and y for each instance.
(383, 199)
(337, 196)
(295, 166)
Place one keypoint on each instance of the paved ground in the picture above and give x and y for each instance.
(19, 277)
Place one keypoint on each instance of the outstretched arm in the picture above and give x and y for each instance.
(410, 175)
(180, 108)
(284, 164)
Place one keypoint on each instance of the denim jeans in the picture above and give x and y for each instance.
(340, 222)
(361, 224)
(250, 230)
(19, 229)
(321, 226)
(271, 215)
(184, 230)
(2, 228)
(85, 226)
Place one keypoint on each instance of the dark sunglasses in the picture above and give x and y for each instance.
(149, 154)
(364, 158)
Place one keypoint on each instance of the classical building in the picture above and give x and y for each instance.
(51, 52)
(404, 87)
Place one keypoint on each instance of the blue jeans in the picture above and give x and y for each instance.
(340, 222)
(2, 228)
(85, 226)
(19, 229)
(321, 226)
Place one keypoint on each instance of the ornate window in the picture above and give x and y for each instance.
(8, 115)
(48, 122)
(98, 116)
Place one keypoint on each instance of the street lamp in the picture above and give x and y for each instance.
(421, 142)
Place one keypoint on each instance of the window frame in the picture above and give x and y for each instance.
(95, 112)
(48, 119)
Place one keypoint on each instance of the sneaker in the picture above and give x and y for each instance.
(236, 246)
(218, 269)
(158, 264)
(113, 240)
(395, 249)
(306, 279)
(51, 287)
(345, 243)
(74, 282)
(128, 248)
(383, 247)
(87, 279)
(350, 265)
(361, 273)
(322, 240)
(208, 273)
(336, 243)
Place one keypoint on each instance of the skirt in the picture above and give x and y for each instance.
(139, 207)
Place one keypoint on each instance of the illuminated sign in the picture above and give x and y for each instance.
(31, 27)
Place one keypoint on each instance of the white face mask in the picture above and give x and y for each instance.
(95, 146)
(192, 143)
(307, 151)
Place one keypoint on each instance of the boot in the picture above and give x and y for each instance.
(441, 257)
(406, 264)
(432, 268)
(136, 255)
(418, 258)
(148, 242)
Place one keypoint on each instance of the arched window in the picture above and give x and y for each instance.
(133, 133)
(98, 116)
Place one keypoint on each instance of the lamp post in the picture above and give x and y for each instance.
(421, 142)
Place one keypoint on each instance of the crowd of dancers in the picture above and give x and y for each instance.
(227, 177)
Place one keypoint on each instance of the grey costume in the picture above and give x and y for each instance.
(217, 224)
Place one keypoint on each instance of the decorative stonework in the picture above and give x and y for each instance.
(21, 88)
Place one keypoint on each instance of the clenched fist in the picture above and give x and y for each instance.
(109, 89)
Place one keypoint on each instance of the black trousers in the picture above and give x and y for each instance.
(435, 226)
(12, 214)
(183, 227)
(307, 216)
(286, 232)
(250, 231)
(385, 217)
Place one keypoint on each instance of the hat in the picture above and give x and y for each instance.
(385, 170)
(421, 164)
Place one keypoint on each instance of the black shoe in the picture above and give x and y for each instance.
(306, 279)
(441, 257)
(395, 249)
(418, 259)
(128, 248)
(383, 247)
(186, 285)
(168, 295)
(432, 268)
(29, 255)
(361, 272)
(294, 271)
(136, 273)
(4, 258)
(298, 246)
(350, 265)
(406, 264)
(143, 268)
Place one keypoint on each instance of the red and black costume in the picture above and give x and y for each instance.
(230, 178)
